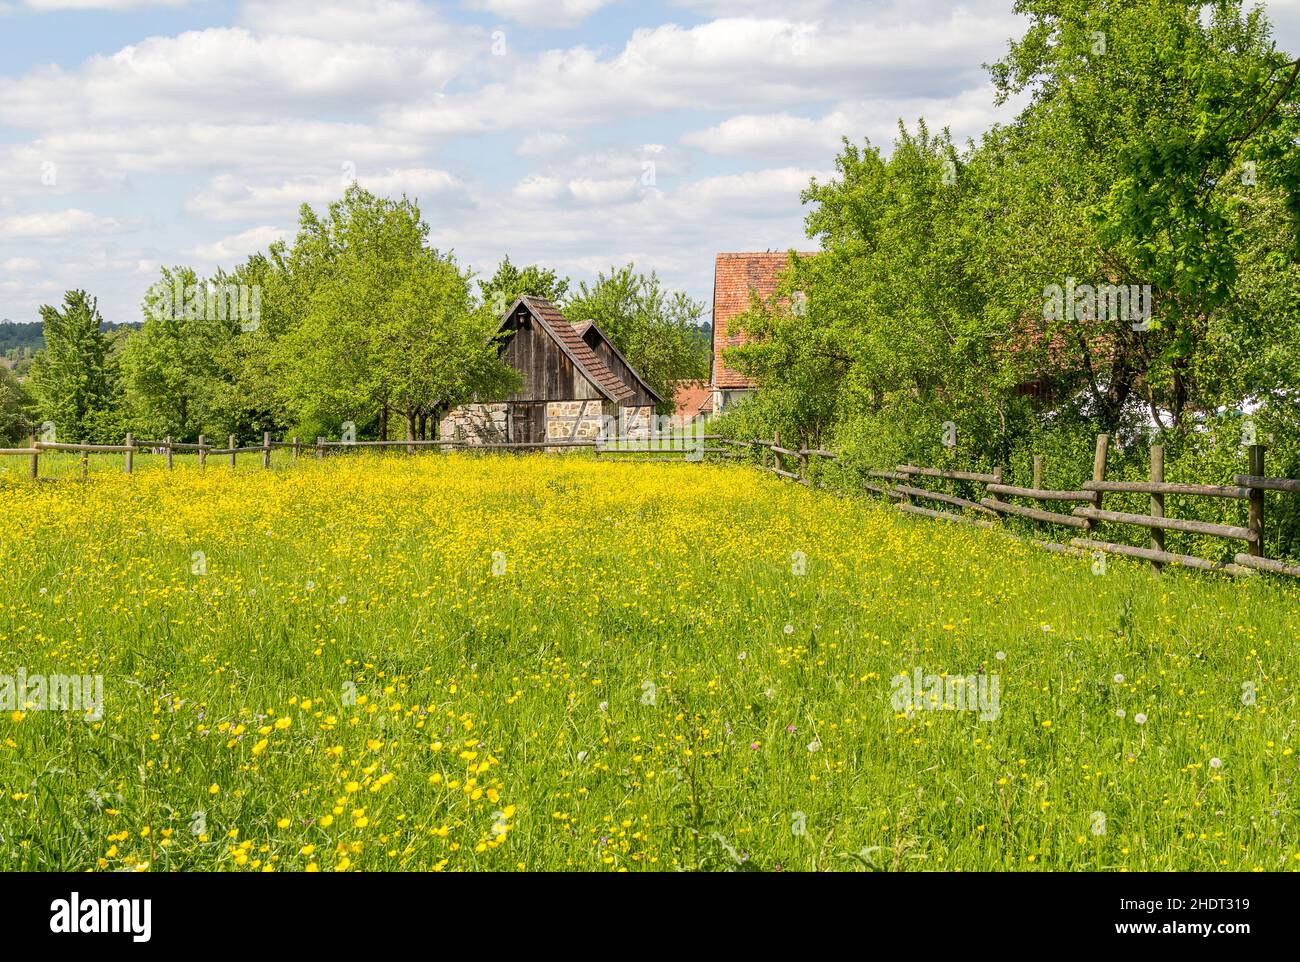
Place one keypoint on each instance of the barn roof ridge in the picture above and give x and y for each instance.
(574, 347)
(583, 326)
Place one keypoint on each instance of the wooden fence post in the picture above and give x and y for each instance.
(130, 453)
(203, 452)
(36, 457)
(266, 449)
(1157, 500)
(85, 460)
(320, 448)
(294, 456)
(170, 462)
(1256, 504)
(1098, 473)
(231, 445)
(1038, 486)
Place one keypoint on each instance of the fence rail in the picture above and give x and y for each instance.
(232, 449)
(900, 484)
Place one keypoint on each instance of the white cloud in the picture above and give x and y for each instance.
(543, 143)
(218, 133)
(739, 63)
(44, 5)
(542, 13)
(237, 247)
(20, 264)
(230, 197)
(808, 139)
(56, 224)
(224, 74)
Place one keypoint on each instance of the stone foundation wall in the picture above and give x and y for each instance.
(573, 420)
(638, 422)
(475, 423)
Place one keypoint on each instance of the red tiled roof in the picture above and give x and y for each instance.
(734, 277)
(692, 398)
(592, 367)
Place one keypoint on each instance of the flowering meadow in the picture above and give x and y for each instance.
(460, 662)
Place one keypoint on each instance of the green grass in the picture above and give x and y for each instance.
(648, 684)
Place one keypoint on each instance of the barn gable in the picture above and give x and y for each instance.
(554, 361)
(571, 389)
(613, 359)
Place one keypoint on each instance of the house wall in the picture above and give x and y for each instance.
(475, 423)
(637, 421)
(574, 420)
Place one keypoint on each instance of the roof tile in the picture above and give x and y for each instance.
(735, 275)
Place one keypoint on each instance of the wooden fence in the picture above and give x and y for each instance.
(1085, 507)
(204, 450)
(644, 448)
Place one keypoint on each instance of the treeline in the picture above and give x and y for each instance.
(1120, 258)
(357, 320)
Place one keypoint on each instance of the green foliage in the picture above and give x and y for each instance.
(388, 323)
(74, 379)
(169, 368)
(15, 409)
(1155, 148)
(509, 283)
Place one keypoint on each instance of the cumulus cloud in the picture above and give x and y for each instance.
(229, 197)
(56, 224)
(579, 148)
(237, 247)
(542, 13)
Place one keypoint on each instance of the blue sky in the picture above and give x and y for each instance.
(576, 133)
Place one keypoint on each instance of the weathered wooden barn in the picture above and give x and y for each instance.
(575, 382)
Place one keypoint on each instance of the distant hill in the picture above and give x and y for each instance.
(30, 335)
(20, 334)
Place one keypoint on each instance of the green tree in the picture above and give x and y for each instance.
(170, 370)
(15, 409)
(74, 378)
(1147, 128)
(389, 324)
(509, 283)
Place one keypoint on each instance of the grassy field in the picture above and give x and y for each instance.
(539, 662)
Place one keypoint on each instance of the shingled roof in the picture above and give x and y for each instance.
(735, 275)
(571, 342)
(582, 327)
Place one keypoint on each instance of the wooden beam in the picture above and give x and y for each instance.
(1171, 524)
(1147, 554)
(1036, 514)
